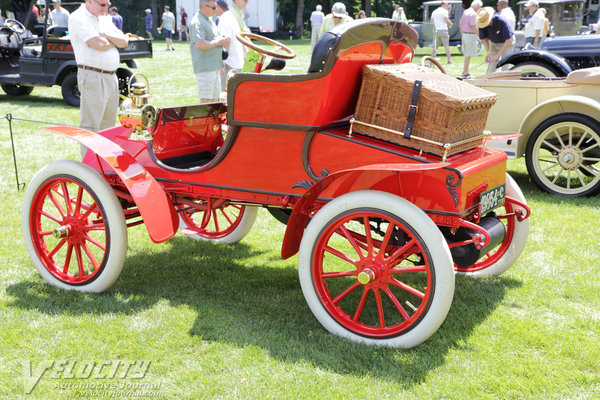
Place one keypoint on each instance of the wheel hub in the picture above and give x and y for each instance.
(61, 231)
(570, 158)
(375, 273)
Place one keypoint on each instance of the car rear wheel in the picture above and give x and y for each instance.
(501, 258)
(16, 90)
(70, 91)
(563, 155)
(225, 223)
(374, 268)
(536, 70)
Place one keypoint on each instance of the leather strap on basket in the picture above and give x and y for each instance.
(412, 109)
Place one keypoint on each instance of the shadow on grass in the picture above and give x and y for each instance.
(33, 99)
(239, 302)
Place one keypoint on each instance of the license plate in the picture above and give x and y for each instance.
(492, 198)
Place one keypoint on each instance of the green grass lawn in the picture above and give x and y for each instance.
(230, 321)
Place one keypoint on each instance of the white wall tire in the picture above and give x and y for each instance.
(330, 265)
(74, 197)
(227, 224)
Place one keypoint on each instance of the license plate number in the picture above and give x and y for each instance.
(492, 198)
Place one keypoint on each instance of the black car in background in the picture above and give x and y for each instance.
(45, 56)
(558, 56)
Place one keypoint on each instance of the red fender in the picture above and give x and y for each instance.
(155, 208)
(299, 217)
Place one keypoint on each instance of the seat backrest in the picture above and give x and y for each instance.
(330, 89)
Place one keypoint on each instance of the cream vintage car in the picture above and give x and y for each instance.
(559, 120)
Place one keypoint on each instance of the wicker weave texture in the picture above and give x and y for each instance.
(449, 110)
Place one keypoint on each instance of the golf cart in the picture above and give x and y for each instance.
(28, 59)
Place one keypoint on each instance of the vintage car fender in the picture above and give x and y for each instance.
(299, 216)
(549, 108)
(157, 211)
(552, 61)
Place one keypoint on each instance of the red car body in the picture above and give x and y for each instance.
(288, 147)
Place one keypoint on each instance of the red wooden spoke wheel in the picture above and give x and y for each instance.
(501, 258)
(218, 221)
(376, 275)
(74, 227)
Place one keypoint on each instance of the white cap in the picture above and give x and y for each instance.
(532, 3)
(148, 10)
(338, 10)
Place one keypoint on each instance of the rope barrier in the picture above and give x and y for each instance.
(9, 117)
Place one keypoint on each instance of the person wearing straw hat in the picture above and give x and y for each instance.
(496, 36)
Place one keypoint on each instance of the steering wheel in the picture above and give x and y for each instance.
(287, 53)
(431, 60)
(15, 26)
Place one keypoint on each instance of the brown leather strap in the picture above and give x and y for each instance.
(412, 109)
(96, 69)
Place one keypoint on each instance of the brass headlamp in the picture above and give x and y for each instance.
(134, 112)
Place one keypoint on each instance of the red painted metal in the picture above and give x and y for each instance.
(153, 203)
(281, 152)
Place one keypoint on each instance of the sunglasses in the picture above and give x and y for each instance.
(213, 7)
(102, 4)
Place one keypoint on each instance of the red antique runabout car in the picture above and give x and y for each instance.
(380, 229)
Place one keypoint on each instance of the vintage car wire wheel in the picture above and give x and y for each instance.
(563, 155)
(74, 227)
(536, 70)
(374, 268)
(501, 258)
(228, 223)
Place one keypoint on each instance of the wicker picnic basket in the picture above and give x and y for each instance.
(450, 114)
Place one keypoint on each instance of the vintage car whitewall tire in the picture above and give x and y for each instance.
(512, 246)
(569, 166)
(235, 223)
(90, 224)
(329, 265)
(534, 69)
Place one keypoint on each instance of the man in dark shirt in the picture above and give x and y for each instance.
(116, 18)
(496, 35)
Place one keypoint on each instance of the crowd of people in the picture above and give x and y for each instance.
(96, 33)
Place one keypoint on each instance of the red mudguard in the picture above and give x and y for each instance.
(155, 208)
(299, 217)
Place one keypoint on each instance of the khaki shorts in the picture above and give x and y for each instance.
(469, 44)
(441, 36)
(209, 84)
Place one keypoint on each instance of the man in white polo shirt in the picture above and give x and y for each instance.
(95, 40)
(441, 22)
